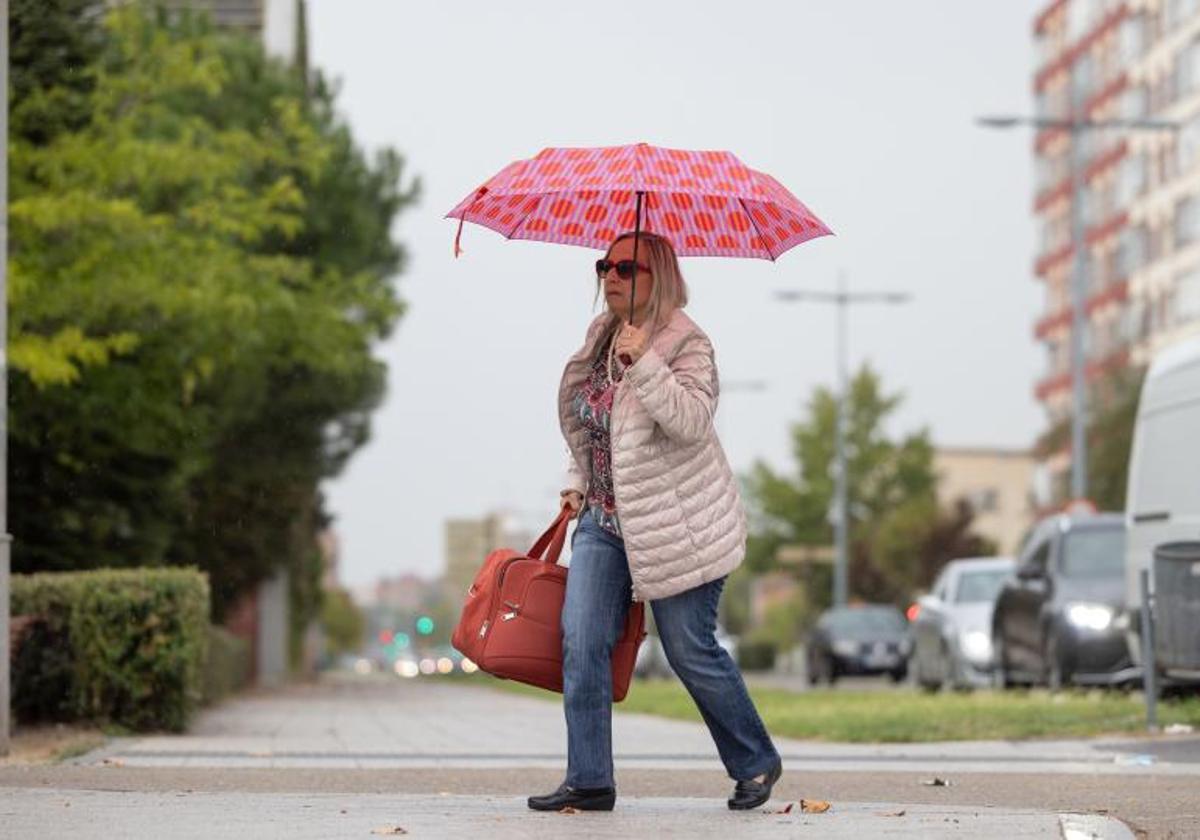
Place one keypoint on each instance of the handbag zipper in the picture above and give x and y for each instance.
(483, 628)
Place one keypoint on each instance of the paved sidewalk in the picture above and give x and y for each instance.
(353, 723)
(38, 814)
(443, 758)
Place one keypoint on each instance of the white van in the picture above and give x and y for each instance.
(1162, 503)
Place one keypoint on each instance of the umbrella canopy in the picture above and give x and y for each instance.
(707, 203)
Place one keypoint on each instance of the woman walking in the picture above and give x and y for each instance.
(660, 520)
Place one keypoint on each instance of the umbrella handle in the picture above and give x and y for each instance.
(479, 193)
(625, 358)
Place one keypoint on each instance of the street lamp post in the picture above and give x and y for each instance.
(841, 514)
(1076, 126)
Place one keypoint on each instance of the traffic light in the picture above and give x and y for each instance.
(424, 625)
(385, 637)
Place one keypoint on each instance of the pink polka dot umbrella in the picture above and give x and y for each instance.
(707, 203)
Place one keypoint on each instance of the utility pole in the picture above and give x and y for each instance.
(841, 506)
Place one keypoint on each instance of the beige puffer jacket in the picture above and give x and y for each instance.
(678, 502)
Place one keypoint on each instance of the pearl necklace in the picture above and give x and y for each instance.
(612, 353)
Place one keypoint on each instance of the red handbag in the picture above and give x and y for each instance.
(510, 624)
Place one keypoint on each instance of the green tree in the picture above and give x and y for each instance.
(1110, 441)
(1113, 415)
(735, 600)
(264, 488)
(913, 542)
(191, 330)
(52, 47)
(344, 623)
(891, 491)
(784, 623)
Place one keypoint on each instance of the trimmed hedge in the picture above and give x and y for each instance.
(756, 654)
(116, 646)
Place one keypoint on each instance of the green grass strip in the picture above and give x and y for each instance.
(910, 715)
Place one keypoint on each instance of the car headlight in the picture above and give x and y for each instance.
(1090, 616)
(976, 645)
(845, 648)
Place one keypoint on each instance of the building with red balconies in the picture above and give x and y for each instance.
(1127, 59)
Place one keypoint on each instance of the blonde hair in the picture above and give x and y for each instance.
(668, 291)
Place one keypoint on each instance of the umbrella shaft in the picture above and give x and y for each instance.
(637, 235)
(626, 359)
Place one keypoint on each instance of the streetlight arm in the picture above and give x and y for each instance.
(1005, 122)
(792, 296)
(880, 297)
(999, 122)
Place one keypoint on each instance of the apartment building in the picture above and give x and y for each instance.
(1105, 59)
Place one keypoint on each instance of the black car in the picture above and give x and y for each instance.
(1055, 621)
(866, 639)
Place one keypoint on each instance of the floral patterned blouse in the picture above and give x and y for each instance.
(593, 405)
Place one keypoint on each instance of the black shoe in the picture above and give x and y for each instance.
(750, 793)
(583, 799)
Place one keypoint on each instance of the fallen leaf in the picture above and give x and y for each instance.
(787, 809)
(568, 810)
(113, 762)
(893, 814)
(388, 829)
(936, 782)
(814, 806)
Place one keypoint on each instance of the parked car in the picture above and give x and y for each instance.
(1163, 506)
(652, 659)
(952, 627)
(1054, 621)
(861, 639)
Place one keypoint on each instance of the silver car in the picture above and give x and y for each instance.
(952, 628)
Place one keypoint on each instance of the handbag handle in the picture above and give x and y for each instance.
(553, 538)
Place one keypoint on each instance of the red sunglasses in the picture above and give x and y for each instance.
(624, 268)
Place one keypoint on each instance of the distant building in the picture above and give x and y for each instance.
(406, 593)
(469, 541)
(999, 486)
(1128, 59)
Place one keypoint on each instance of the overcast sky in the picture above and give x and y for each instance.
(863, 109)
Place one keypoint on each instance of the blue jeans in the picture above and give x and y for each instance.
(599, 592)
